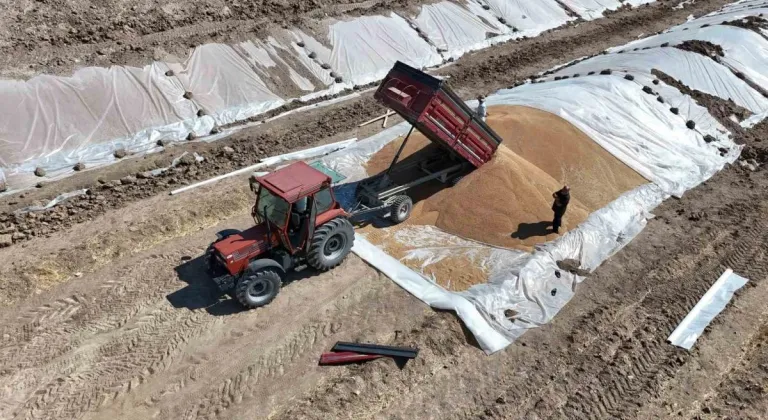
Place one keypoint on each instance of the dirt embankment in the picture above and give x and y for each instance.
(58, 37)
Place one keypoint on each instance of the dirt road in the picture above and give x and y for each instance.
(110, 317)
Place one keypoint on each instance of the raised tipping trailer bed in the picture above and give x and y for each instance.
(465, 141)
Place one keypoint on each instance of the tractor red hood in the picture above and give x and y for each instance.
(248, 243)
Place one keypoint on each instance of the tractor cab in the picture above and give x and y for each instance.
(289, 199)
(298, 222)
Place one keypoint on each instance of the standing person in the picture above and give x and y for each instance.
(481, 111)
(562, 198)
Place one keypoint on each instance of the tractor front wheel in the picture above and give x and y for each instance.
(331, 244)
(256, 289)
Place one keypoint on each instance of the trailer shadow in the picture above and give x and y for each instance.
(202, 293)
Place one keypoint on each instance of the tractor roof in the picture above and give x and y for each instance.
(294, 181)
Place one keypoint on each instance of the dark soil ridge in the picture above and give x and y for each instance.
(481, 72)
(755, 147)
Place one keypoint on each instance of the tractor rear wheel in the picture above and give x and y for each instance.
(401, 206)
(331, 244)
(256, 289)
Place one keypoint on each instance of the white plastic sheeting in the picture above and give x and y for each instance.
(489, 338)
(712, 303)
(531, 285)
(591, 9)
(366, 48)
(745, 51)
(727, 14)
(55, 122)
(530, 18)
(630, 124)
(265, 57)
(224, 84)
(456, 30)
(692, 69)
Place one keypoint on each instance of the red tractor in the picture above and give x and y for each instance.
(298, 222)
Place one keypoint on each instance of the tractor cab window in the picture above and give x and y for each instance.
(323, 200)
(272, 207)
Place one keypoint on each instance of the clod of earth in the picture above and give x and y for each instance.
(39, 172)
(6, 240)
(191, 136)
(648, 90)
(201, 113)
(163, 142)
(629, 77)
(674, 110)
(187, 95)
(79, 166)
(120, 153)
(690, 124)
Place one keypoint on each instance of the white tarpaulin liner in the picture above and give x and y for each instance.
(712, 303)
(224, 84)
(745, 51)
(456, 30)
(692, 69)
(366, 48)
(55, 122)
(727, 14)
(631, 125)
(531, 285)
(530, 17)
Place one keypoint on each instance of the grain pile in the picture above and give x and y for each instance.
(565, 153)
(507, 202)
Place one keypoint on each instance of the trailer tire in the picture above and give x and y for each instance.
(331, 244)
(456, 180)
(257, 289)
(401, 205)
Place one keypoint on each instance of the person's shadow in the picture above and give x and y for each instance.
(528, 230)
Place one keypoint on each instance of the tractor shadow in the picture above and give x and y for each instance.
(202, 293)
(529, 230)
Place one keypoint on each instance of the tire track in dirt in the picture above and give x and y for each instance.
(743, 392)
(644, 359)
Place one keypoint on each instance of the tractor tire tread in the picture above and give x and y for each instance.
(315, 250)
(241, 290)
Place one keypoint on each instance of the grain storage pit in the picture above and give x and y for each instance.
(507, 202)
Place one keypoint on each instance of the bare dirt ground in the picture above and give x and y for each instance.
(110, 315)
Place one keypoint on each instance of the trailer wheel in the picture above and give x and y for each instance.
(331, 244)
(257, 289)
(402, 205)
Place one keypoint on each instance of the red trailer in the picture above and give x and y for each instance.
(432, 108)
(466, 142)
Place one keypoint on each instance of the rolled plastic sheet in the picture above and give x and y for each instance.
(706, 309)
